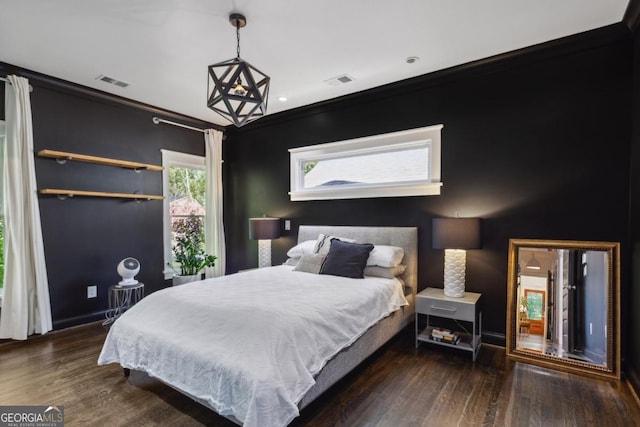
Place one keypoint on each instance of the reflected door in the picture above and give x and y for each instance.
(574, 298)
(535, 310)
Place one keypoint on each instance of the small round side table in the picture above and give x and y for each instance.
(121, 298)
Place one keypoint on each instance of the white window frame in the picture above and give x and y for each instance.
(181, 160)
(414, 138)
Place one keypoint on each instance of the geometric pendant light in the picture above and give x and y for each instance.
(237, 90)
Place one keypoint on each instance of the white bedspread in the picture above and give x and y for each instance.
(249, 344)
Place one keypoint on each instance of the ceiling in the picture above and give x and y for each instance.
(546, 258)
(162, 47)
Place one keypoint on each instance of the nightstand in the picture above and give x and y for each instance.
(121, 298)
(432, 302)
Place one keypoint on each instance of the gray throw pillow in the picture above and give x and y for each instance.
(310, 263)
(323, 244)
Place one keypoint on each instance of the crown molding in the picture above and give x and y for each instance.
(632, 15)
(42, 80)
(521, 57)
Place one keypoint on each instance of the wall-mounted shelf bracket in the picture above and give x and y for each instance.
(62, 160)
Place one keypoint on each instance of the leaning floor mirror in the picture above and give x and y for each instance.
(563, 307)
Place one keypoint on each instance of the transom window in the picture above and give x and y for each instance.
(405, 163)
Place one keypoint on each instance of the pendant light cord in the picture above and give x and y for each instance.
(238, 37)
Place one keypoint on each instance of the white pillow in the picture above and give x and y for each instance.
(291, 261)
(385, 256)
(323, 244)
(304, 248)
(386, 272)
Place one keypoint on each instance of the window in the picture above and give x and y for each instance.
(535, 304)
(183, 183)
(405, 163)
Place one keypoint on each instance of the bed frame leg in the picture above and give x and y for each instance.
(127, 372)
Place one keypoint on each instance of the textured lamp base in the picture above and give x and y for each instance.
(264, 253)
(454, 267)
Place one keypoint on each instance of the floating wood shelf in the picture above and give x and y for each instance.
(62, 156)
(72, 193)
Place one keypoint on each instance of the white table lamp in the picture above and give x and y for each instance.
(455, 236)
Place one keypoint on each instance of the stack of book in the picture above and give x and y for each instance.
(445, 335)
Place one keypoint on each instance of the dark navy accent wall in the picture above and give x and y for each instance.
(86, 237)
(631, 296)
(536, 143)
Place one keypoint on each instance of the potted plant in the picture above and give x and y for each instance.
(189, 252)
(524, 304)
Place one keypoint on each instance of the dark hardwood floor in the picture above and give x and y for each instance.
(398, 386)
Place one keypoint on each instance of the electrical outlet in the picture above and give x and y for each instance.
(287, 224)
(92, 291)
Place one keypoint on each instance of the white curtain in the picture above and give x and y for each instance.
(213, 225)
(26, 307)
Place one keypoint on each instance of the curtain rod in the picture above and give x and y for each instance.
(7, 80)
(158, 120)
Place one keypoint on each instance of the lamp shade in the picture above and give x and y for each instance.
(264, 228)
(456, 233)
(533, 263)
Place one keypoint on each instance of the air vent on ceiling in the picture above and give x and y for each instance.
(112, 81)
(339, 80)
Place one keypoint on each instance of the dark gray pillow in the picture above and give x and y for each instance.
(346, 259)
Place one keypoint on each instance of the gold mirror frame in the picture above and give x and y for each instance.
(612, 368)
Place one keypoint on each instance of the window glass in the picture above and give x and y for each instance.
(184, 183)
(405, 163)
(378, 168)
(534, 305)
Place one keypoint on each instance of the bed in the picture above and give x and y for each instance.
(258, 346)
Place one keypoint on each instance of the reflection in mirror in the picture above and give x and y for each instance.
(563, 299)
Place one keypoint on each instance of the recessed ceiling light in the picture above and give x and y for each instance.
(412, 59)
(282, 98)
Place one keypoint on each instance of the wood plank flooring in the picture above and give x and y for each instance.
(398, 386)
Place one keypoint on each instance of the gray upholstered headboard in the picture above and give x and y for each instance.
(404, 237)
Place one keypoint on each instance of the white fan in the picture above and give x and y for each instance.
(128, 268)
